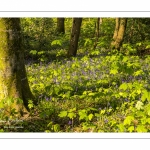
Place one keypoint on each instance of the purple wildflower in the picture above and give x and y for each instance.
(47, 99)
(70, 122)
(106, 120)
(126, 100)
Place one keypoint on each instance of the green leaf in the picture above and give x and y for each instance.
(145, 95)
(41, 52)
(63, 114)
(56, 127)
(139, 72)
(121, 127)
(148, 120)
(73, 109)
(90, 116)
(91, 94)
(128, 120)
(1, 105)
(125, 59)
(82, 114)
(55, 73)
(131, 129)
(148, 112)
(130, 85)
(30, 104)
(71, 115)
(50, 124)
(138, 44)
(84, 93)
(34, 52)
(139, 105)
(102, 112)
(141, 128)
(109, 110)
(123, 86)
(113, 123)
(113, 71)
(56, 89)
(147, 47)
(56, 42)
(87, 42)
(143, 120)
(97, 115)
(68, 94)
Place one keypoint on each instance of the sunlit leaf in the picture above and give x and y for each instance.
(139, 105)
(63, 114)
(128, 120)
(90, 116)
(141, 128)
(131, 129)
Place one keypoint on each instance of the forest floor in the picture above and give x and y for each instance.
(89, 93)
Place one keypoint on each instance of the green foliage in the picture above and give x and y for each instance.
(63, 114)
(105, 88)
(98, 91)
(7, 107)
(56, 42)
(37, 32)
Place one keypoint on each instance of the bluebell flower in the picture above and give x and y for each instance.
(106, 120)
(70, 122)
(47, 99)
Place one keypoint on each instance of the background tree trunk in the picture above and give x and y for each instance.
(42, 27)
(13, 78)
(119, 33)
(61, 25)
(97, 32)
(74, 37)
(116, 29)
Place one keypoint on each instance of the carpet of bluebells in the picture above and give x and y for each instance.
(93, 93)
(89, 93)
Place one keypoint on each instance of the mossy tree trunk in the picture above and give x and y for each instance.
(13, 78)
(119, 33)
(74, 37)
(61, 25)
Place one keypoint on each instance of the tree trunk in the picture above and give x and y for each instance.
(74, 37)
(42, 27)
(61, 25)
(97, 32)
(119, 33)
(116, 29)
(13, 78)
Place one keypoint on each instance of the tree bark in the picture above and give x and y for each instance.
(61, 25)
(74, 37)
(97, 32)
(13, 78)
(116, 28)
(42, 27)
(119, 33)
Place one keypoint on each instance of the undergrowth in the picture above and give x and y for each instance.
(91, 93)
